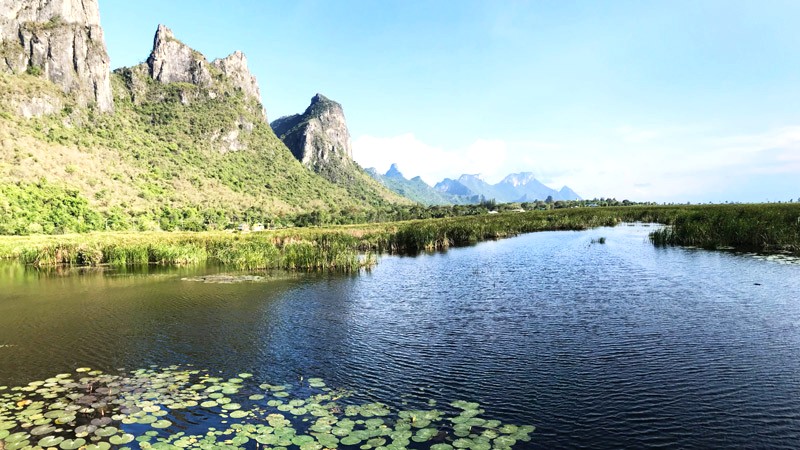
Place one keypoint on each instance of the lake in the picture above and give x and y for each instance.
(613, 345)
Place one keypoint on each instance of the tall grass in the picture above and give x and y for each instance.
(772, 227)
(765, 228)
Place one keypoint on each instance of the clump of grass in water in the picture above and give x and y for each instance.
(765, 228)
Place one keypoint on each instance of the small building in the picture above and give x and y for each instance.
(492, 212)
(258, 227)
(244, 227)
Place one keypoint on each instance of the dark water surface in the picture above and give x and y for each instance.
(615, 345)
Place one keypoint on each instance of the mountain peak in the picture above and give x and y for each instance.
(61, 39)
(234, 67)
(394, 172)
(319, 137)
(520, 179)
(319, 98)
(172, 61)
(163, 33)
(471, 176)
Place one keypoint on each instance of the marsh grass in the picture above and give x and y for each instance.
(763, 228)
(772, 227)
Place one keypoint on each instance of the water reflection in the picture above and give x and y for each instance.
(600, 345)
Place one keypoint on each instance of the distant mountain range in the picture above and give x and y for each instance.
(516, 187)
(417, 190)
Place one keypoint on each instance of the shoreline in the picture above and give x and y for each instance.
(764, 228)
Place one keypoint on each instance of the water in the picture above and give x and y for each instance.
(615, 345)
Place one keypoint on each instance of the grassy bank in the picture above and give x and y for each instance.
(774, 227)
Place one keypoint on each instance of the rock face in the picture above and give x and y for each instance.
(60, 39)
(172, 61)
(319, 137)
(234, 68)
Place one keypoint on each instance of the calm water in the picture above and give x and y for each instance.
(619, 345)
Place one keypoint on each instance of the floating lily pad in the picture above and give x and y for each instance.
(103, 404)
(106, 432)
(120, 439)
(72, 444)
(239, 414)
(161, 424)
(16, 437)
(50, 441)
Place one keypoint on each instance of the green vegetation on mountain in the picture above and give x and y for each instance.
(415, 188)
(319, 138)
(171, 156)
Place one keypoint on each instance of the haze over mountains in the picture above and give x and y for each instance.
(516, 187)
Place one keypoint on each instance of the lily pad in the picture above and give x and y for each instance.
(72, 444)
(120, 439)
(50, 441)
(161, 424)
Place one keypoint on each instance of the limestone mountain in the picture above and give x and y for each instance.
(415, 188)
(525, 187)
(186, 146)
(516, 187)
(320, 140)
(453, 187)
(62, 40)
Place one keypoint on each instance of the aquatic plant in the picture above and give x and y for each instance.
(770, 228)
(765, 228)
(182, 407)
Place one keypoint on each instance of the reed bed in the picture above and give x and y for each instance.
(762, 228)
(769, 228)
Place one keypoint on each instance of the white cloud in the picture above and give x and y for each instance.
(667, 164)
(416, 158)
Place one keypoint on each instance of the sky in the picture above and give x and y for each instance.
(667, 101)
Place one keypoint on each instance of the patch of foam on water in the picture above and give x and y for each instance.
(777, 258)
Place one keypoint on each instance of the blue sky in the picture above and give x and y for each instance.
(666, 101)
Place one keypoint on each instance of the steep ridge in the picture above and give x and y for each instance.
(320, 140)
(61, 40)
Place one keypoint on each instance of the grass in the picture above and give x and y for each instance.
(769, 228)
(763, 228)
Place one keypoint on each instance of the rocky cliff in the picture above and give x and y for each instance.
(319, 137)
(173, 61)
(223, 83)
(61, 40)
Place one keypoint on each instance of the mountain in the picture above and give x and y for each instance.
(525, 187)
(320, 140)
(62, 41)
(516, 187)
(177, 142)
(453, 187)
(414, 189)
